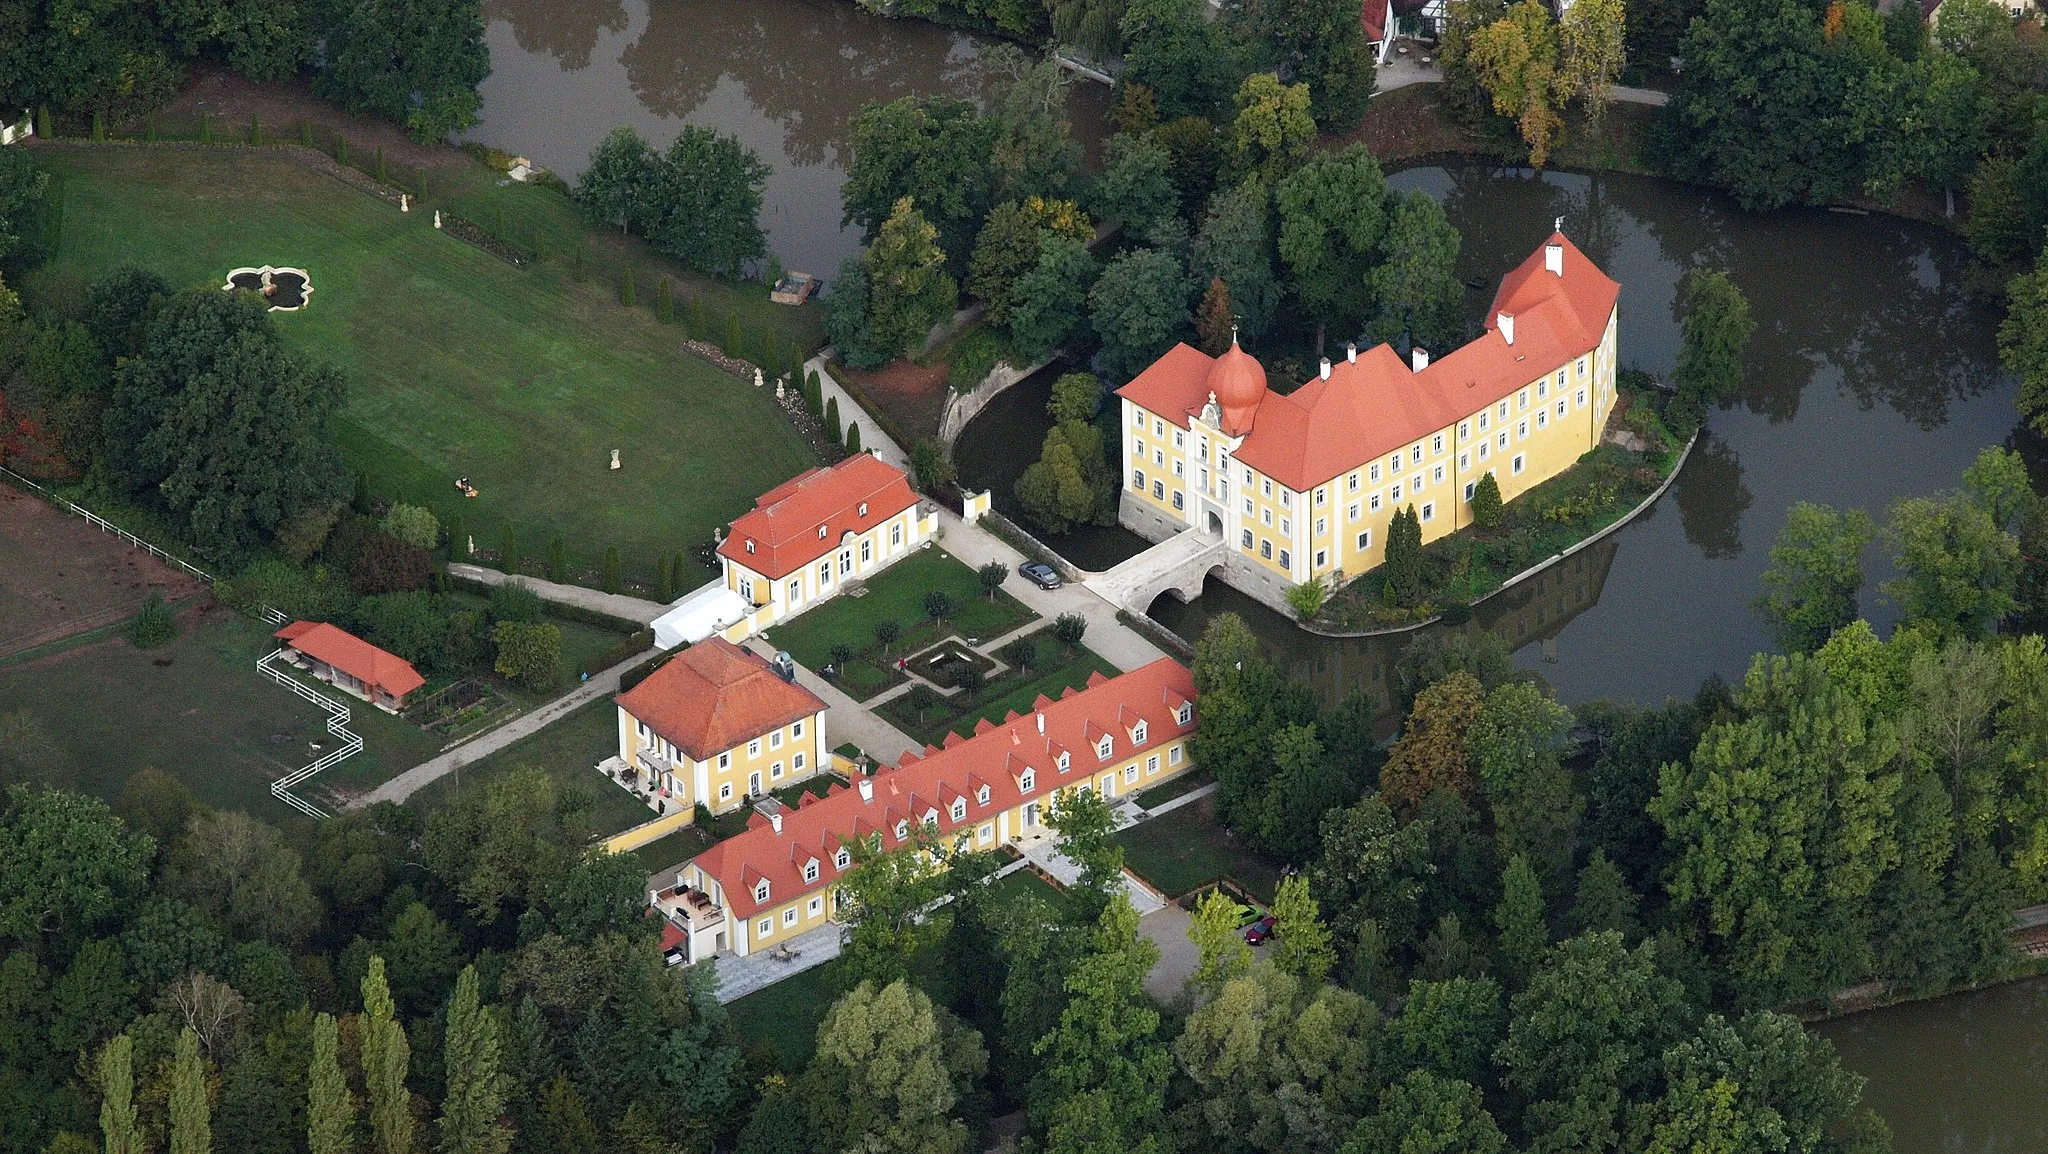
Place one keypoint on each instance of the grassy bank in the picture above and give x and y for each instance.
(524, 379)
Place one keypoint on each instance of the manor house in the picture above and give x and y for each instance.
(1302, 486)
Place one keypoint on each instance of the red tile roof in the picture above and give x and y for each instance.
(783, 524)
(1375, 405)
(354, 656)
(1372, 16)
(714, 696)
(995, 758)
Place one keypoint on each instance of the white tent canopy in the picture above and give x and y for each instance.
(706, 611)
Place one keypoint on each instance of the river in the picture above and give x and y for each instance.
(785, 76)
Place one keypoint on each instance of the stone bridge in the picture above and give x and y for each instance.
(1176, 565)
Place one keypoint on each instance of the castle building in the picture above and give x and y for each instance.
(810, 537)
(1303, 486)
(761, 888)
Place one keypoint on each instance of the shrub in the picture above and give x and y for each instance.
(1069, 628)
(340, 142)
(303, 534)
(530, 654)
(664, 302)
(698, 329)
(1487, 509)
(381, 563)
(255, 131)
(1306, 599)
(155, 625)
(814, 393)
(929, 467)
(975, 356)
(415, 525)
(842, 654)
(991, 577)
(408, 624)
(508, 550)
(664, 580)
(610, 576)
(558, 559)
(887, 631)
(852, 439)
(832, 428)
(626, 287)
(513, 602)
(731, 345)
(308, 594)
(921, 698)
(972, 679)
(938, 604)
(458, 545)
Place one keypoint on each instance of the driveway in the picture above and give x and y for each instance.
(846, 719)
(615, 604)
(1119, 644)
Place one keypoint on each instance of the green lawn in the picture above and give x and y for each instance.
(1060, 667)
(897, 594)
(673, 849)
(197, 709)
(1186, 850)
(1193, 779)
(459, 364)
(566, 750)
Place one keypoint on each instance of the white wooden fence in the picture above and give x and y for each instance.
(337, 724)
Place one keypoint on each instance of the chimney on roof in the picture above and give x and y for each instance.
(867, 789)
(1324, 371)
(1507, 327)
(1041, 722)
(1351, 352)
(775, 819)
(1553, 258)
(1418, 358)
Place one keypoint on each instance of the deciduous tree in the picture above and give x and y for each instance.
(1049, 302)
(418, 64)
(1333, 226)
(1416, 286)
(1139, 307)
(1430, 754)
(1272, 132)
(909, 289)
(890, 1071)
(1816, 569)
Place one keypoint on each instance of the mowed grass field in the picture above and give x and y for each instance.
(197, 709)
(459, 364)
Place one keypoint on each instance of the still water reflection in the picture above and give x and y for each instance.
(1966, 1073)
(1872, 376)
(785, 76)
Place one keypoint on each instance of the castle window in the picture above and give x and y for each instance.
(1517, 465)
(1159, 490)
(1320, 494)
(1436, 443)
(1178, 469)
(1437, 475)
(1354, 481)
(1375, 472)
(1522, 399)
(1395, 492)
(1177, 501)
(750, 545)
(1180, 439)
(1582, 366)
(821, 532)
(1580, 399)
(1464, 430)
(1266, 549)
(1286, 562)
(1415, 453)
(1522, 431)
(1482, 422)
(1560, 406)
(1365, 540)
(1351, 514)
(1464, 460)
(1322, 558)
(1469, 487)
(1138, 418)
(1375, 502)
(1158, 427)
(842, 859)
(1321, 526)
(1138, 479)
(1429, 510)
(1542, 418)
(1247, 538)
(863, 509)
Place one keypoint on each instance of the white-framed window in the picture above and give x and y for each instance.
(895, 535)
(1516, 465)
(1464, 460)
(1287, 498)
(1185, 713)
(1521, 400)
(1322, 558)
(1321, 526)
(902, 829)
(1103, 747)
(1320, 494)
(750, 544)
(1429, 510)
(1464, 431)
(1152, 765)
(1351, 514)
(797, 763)
(1364, 540)
(1137, 418)
(1436, 443)
(1247, 476)
(981, 796)
(1063, 761)
(1543, 386)
(1138, 733)
(1501, 441)
(1179, 439)
(1560, 378)
(842, 859)
(1543, 418)
(1266, 514)
(810, 871)
(796, 591)
(987, 832)
(1286, 562)
(1159, 456)
(821, 532)
(1352, 483)
(1469, 487)
(1374, 472)
(761, 890)
(1247, 506)
(789, 916)
(1415, 453)
(1436, 475)
(775, 772)
(1483, 449)
(1522, 430)
(1560, 406)
(867, 550)
(1286, 529)
(725, 760)
(765, 928)
(1178, 471)
(725, 792)
(1482, 422)
(1027, 779)
(1375, 502)
(754, 748)
(1138, 479)
(1502, 410)
(958, 809)
(863, 509)
(816, 906)
(1266, 486)
(1158, 427)
(1266, 548)
(1179, 501)
(824, 573)
(1394, 494)
(1579, 398)
(1582, 366)
(775, 740)
(1131, 772)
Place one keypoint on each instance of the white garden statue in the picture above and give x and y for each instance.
(757, 376)
(615, 458)
(437, 218)
(404, 203)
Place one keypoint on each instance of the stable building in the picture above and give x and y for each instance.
(718, 726)
(775, 881)
(1303, 486)
(810, 537)
(350, 664)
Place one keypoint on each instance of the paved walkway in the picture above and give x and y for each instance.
(847, 719)
(1180, 562)
(1121, 645)
(616, 604)
(1189, 798)
(1042, 851)
(1401, 71)
(477, 748)
(738, 976)
(872, 438)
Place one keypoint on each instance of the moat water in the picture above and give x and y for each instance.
(785, 76)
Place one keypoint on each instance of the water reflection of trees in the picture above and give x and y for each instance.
(1711, 498)
(564, 29)
(809, 67)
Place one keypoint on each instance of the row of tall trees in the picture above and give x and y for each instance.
(417, 64)
(476, 982)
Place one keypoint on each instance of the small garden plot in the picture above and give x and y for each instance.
(466, 703)
(1054, 666)
(1186, 850)
(947, 664)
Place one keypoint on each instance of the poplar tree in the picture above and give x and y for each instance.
(1105, 1076)
(386, 1058)
(1519, 918)
(330, 1108)
(1218, 942)
(1301, 941)
(191, 1124)
(472, 1112)
(117, 1090)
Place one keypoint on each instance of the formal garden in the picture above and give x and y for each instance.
(1041, 663)
(910, 606)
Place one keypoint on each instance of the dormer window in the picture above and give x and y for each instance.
(902, 830)
(821, 532)
(959, 808)
(1138, 733)
(811, 870)
(750, 544)
(981, 796)
(1185, 713)
(761, 890)
(863, 508)
(1064, 761)
(1103, 747)
(931, 817)
(1028, 777)
(842, 859)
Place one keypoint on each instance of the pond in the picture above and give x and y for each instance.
(785, 76)
(1968, 1072)
(1872, 376)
